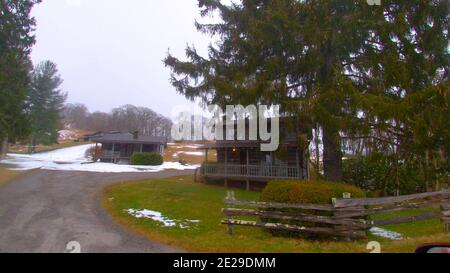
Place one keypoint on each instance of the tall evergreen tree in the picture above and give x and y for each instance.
(284, 52)
(327, 62)
(406, 71)
(46, 103)
(16, 40)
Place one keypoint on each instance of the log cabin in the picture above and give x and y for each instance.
(244, 161)
(119, 147)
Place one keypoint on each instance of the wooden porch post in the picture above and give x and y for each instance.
(113, 153)
(206, 156)
(271, 165)
(248, 172)
(226, 167)
(142, 148)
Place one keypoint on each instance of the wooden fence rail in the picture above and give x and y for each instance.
(345, 218)
(445, 208)
(345, 203)
(349, 212)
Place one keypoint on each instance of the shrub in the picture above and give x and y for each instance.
(384, 174)
(93, 153)
(147, 159)
(302, 192)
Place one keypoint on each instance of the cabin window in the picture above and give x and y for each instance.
(107, 147)
(117, 147)
(149, 148)
(278, 162)
(268, 159)
(243, 157)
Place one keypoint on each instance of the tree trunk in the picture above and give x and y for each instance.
(317, 143)
(3, 147)
(332, 150)
(426, 165)
(332, 155)
(438, 182)
(32, 147)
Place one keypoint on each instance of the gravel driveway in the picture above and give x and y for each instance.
(41, 211)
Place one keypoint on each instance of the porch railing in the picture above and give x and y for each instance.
(110, 154)
(251, 171)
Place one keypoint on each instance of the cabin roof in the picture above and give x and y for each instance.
(129, 138)
(230, 144)
(101, 133)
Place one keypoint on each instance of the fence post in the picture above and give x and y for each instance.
(445, 208)
(337, 213)
(230, 199)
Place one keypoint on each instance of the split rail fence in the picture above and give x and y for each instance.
(346, 217)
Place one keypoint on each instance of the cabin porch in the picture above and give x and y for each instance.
(122, 152)
(245, 162)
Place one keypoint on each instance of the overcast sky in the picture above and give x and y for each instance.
(110, 52)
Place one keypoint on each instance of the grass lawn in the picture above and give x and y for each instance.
(180, 198)
(6, 175)
(420, 228)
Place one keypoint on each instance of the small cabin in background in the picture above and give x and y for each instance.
(119, 147)
(245, 162)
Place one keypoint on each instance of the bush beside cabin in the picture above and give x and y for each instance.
(147, 159)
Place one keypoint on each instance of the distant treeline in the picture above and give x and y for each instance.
(123, 118)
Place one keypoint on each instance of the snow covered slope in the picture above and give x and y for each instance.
(74, 159)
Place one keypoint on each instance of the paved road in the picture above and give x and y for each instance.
(41, 211)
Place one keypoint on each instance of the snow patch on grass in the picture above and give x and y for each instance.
(386, 233)
(189, 153)
(67, 134)
(160, 218)
(178, 146)
(195, 153)
(76, 154)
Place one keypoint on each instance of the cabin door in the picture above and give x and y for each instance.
(129, 150)
(243, 157)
